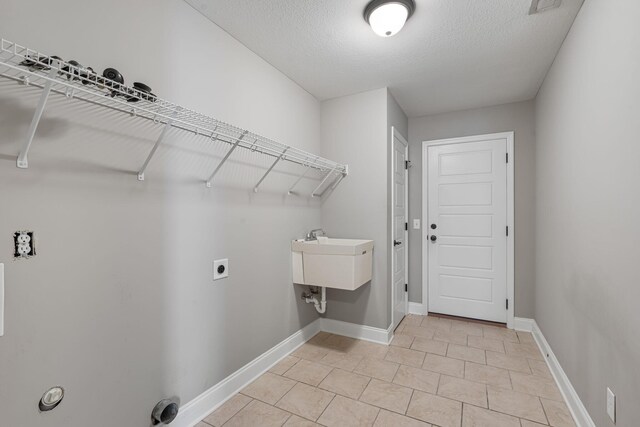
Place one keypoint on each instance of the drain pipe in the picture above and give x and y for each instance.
(321, 306)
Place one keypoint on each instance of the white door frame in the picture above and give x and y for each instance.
(508, 136)
(396, 134)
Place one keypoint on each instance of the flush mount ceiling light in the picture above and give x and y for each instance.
(387, 17)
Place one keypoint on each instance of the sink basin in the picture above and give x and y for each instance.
(332, 263)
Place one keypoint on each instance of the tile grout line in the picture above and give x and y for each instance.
(288, 418)
(236, 413)
(544, 411)
(365, 387)
(486, 393)
(325, 409)
(413, 390)
(377, 415)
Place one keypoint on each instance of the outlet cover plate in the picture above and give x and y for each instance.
(220, 269)
(24, 245)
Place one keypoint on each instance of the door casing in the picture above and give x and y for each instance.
(509, 137)
(398, 135)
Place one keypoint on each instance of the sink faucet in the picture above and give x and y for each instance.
(313, 234)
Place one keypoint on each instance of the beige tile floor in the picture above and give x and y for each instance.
(436, 372)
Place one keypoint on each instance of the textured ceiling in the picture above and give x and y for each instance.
(451, 55)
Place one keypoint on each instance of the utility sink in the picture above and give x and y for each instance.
(332, 263)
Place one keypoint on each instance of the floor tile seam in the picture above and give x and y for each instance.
(486, 392)
(498, 412)
(535, 395)
(325, 409)
(267, 403)
(251, 399)
(544, 411)
(282, 397)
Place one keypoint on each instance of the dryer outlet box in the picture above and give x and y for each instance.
(220, 269)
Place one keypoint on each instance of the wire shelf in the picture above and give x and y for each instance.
(33, 68)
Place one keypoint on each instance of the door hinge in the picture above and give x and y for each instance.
(406, 287)
(507, 157)
(507, 231)
(507, 304)
(406, 226)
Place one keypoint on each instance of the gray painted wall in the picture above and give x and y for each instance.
(588, 207)
(517, 117)
(353, 129)
(119, 306)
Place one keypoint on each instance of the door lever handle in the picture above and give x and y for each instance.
(396, 243)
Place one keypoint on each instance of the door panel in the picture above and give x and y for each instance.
(465, 194)
(465, 226)
(469, 257)
(399, 232)
(473, 288)
(468, 163)
(467, 202)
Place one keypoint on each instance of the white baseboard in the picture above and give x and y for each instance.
(361, 332)
(195, 410)
(417, 308)
(578, 411)
(523, 324)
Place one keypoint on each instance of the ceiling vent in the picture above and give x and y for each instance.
(538, 6)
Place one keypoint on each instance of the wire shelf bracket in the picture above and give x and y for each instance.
(225, 158)
(273, 165)
(332, 186)
(161, 138)
(23, 157)
(302, 175)
(314, 193)
(337, 182)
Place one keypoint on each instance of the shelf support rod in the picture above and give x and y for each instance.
(23, 160)
(226, 156)
(313, 193)
(332, 186)
(337, 182)
(302, 175)
(161, 138)
(280, 157)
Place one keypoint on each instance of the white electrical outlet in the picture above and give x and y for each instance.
(611, 405)
(416, 224)
(220, 269)
(24, 244)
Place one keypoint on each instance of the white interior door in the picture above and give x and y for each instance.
(400, 233)
(467, 220)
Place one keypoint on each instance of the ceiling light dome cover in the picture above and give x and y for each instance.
(387, 17)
